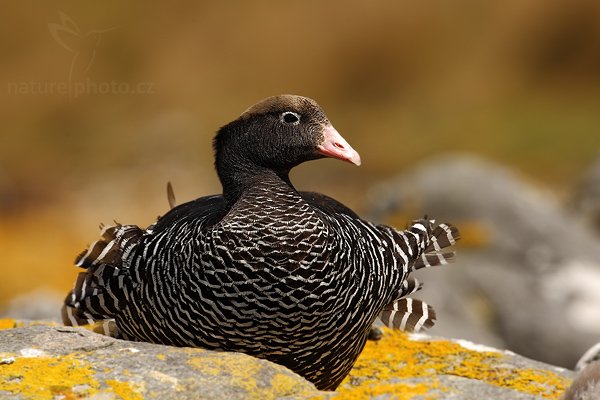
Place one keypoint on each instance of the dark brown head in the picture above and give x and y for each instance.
(277, 134)
(283, 131)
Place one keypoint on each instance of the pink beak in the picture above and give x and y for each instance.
(335, 146)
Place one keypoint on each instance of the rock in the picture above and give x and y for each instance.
(43, 362)
(589, 357)
(586, 199)
(527, 272)
(53, 362)
(38, 304)
(421, 365)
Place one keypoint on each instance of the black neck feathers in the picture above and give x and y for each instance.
(242, 164)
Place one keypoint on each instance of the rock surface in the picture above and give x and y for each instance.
(37, 304)
(55, 362)
(586, 197)
(527, 270)
(41, 362)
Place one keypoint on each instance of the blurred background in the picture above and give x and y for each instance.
(486, 114)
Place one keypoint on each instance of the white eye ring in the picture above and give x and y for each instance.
(290, 118)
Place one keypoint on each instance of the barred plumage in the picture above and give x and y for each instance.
(293, 277)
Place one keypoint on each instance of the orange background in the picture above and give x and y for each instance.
(515, 81)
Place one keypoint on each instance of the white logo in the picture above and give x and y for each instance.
(82, 45)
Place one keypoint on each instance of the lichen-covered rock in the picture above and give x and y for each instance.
(42, 362)
(53, 362)
(418, 366)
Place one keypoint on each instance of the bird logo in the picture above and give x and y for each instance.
(83, 46)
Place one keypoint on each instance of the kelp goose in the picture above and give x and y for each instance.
(292, 277)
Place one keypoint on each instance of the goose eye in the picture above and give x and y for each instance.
(290, 118)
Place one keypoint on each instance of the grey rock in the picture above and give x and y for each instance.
(589, 357)
(586, 197)
(458, 388)
(38, 304)
(527, 279)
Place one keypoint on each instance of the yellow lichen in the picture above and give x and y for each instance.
(125, 390)
(161, 357)
(283, 381)
(46, 377)
(241, 372)
(397, 356)
(7, 324)
(37, 323)
(285, 385)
